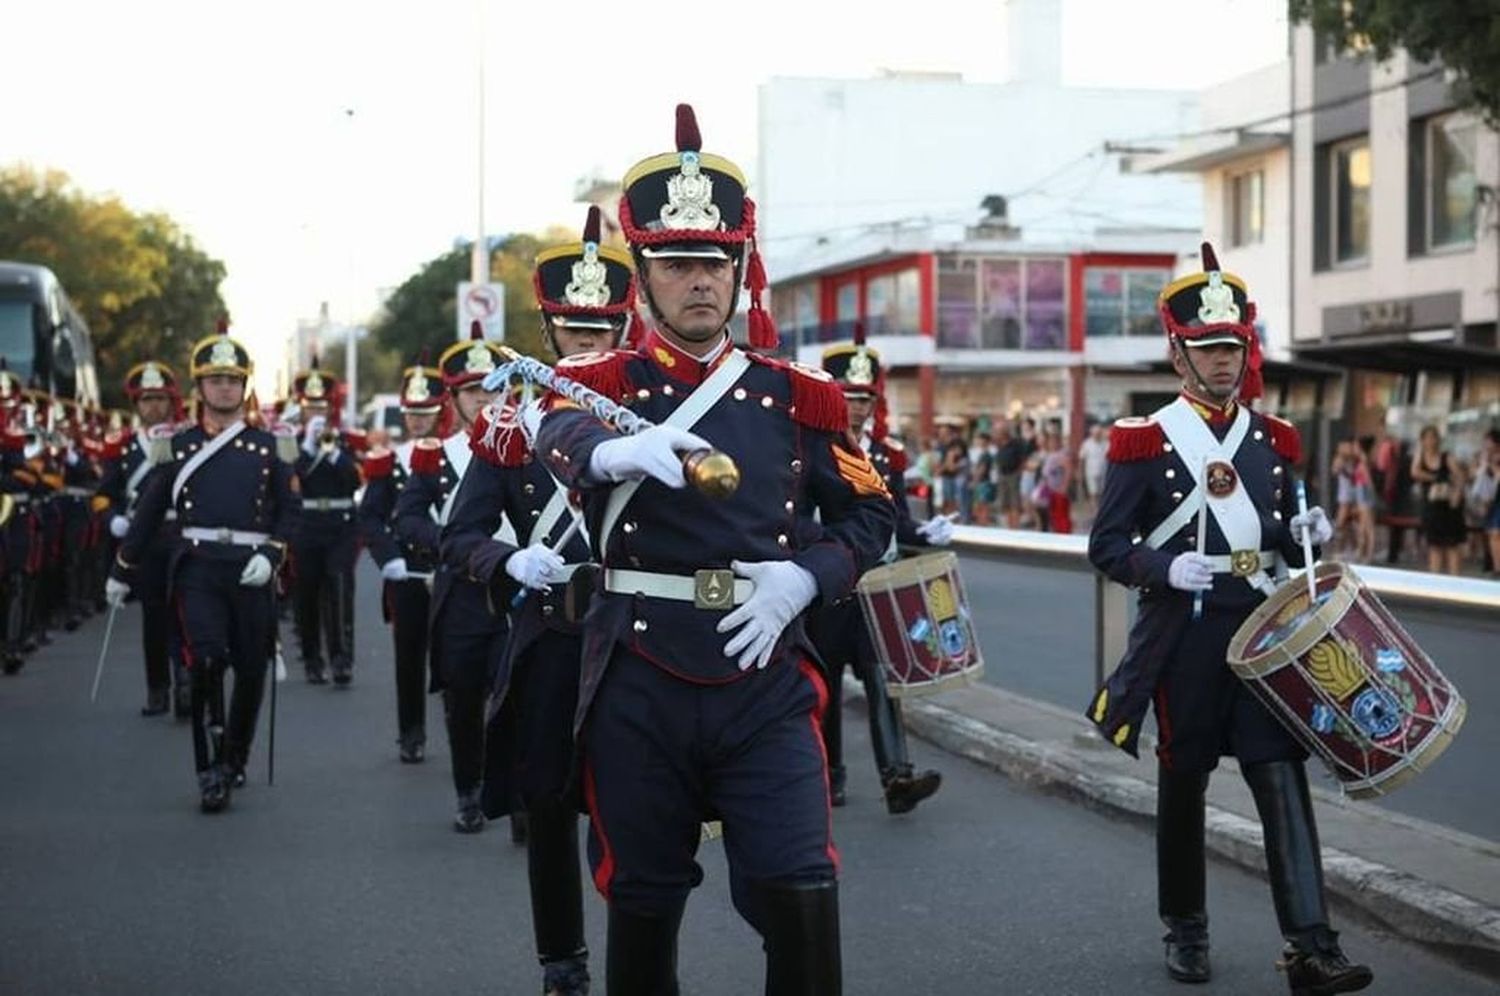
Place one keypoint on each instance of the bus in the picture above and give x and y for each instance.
(42, 337)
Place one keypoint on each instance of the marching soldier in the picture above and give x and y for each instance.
(587, 293)
(152, 390)
(1208, 454)
(466, 638)
(700, 699)
(404, 567)
(236, 511)
(19, 541)
(327, 540)
(838, 629)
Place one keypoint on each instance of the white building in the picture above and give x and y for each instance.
(838, 157)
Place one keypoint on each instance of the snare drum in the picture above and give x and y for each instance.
(1348, 681)
(918, 618)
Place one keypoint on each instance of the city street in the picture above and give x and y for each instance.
(345, 877)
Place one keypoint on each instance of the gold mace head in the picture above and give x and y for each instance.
(712, 472)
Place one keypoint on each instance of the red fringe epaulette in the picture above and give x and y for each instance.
(817, 400)
(496, 436)
(1285, 439)
(896, 454)
(427, 457)
(604, 372)
(1132, 439)
(379, 463)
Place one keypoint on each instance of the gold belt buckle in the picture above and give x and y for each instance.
(1244, 562)
(713, 589)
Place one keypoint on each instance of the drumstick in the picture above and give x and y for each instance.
(1307, 551)
(1202, 532)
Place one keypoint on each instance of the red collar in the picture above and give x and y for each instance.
(1212, 414)
(677, 363)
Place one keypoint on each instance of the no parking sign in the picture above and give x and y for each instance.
(482, 303)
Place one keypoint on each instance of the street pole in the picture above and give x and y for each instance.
(479, 266)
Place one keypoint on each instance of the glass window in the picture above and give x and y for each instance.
(880, 305)
(17, 341)
(1000, 307)
(1452, 190)
(1122, 301)
(1142, 288)
(1046, 304)
(957, 303)
(846, 310)
(908, 302)
(806, 305)
(1351, 201)
(1247, 208)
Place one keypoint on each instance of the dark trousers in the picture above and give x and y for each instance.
(224, 626)
(662, 755)
(838, 632)
(159, 642)
(407, 603)
(466, 662)
(324, 593)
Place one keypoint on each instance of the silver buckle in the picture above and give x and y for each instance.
(713, 588)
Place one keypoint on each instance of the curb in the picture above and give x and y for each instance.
(1409, 906)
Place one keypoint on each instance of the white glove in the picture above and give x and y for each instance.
(1315, 519)
(782, 590)
(311, 432)
(257, 572)
(71, 458)
(1191, 572)
(394, 569)
(115, 592)
(119, 526)
(937, 531)
(534, 566)
(656, 452)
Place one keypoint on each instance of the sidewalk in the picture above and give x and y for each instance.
(1423, 881)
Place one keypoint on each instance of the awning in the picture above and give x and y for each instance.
(1409, 352)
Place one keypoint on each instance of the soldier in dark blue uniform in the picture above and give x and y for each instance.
(700, 699)
(467, 638)
(236, 511)
(152, 389)
(405, 568)
(586, 292)
(1208, 454)
(838, 629)
(18, 524)
(327, 540)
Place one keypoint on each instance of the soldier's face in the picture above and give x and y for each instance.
(1218, 368)
(571, 340)
(223, 393)
(154, 409)
(859, 410)
(694, 297)
(471, 399)
(419, 426)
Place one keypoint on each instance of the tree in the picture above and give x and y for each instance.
(1464, 35)
(142, 285)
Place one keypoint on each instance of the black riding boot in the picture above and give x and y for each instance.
(244, 711)
(208, 734)
(801, 927)
(904, 787)
(338, 625)
(641, 959)
(1314, 964)
(556, 880)
(1180, 873)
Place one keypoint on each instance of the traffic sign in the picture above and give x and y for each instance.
(484, 303)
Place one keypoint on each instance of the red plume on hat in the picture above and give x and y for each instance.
(476, 329)
(591, 225)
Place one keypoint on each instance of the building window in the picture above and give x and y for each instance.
(892, 303)
(1001, 303)
(1452, 190)
(1350, 162)
(1247, 208)
(1121, 300)
(796, 309)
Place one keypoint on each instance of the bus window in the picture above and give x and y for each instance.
(16, 337)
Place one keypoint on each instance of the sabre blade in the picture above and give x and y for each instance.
(109, 627)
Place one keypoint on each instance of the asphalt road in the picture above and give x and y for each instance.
(345, 877)
(1036, 625)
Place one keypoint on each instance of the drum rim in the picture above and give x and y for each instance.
(907, 570)
(1445, 730)
(1319, 623)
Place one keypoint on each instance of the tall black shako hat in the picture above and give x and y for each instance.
(585, 284)
(151, 377)
(469, 360)
(691, 203)
(220, 354)
(1203, 309)
(421, 388)
(315, 388)
(857, 368)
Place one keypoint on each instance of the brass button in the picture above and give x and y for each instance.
(796, 466)
(1177, 496)
(766, 402)
(528, 488)
(1166, 447)
(667, 390)
(643, 394)
(547, 610)
(641, 626)
(781, 540)
(535, 512)
(1171, 473)
(740, 394)
(1259, 434)
(1276, 470)
(791, 506)
(629, 527)
(1276, 515)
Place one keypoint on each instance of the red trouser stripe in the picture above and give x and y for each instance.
(605, 873)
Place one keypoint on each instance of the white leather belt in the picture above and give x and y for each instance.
(327, 504)
(1240, 564)
(72, 491)
(707, 589)
(238, 537)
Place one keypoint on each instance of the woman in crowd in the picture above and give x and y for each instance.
(1441, 478)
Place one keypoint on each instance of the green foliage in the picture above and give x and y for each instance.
(421, 313)
(1464, 35)
(143, 286)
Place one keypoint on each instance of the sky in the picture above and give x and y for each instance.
(325, 149)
